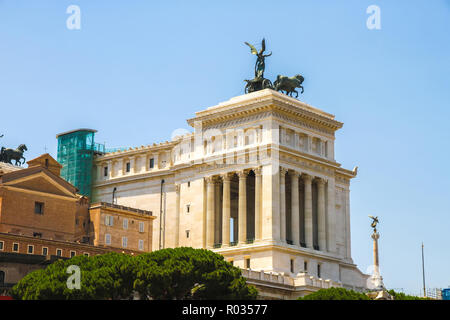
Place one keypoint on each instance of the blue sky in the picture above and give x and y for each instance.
(136, 70)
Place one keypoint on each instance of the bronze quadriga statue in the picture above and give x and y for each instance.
(286, 85)
(7, 155)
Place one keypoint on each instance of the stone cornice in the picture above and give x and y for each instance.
(137, 151)
(265, 100)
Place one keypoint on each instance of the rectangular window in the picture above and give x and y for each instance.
(292, 265)
(187, 233)
(39, 207)
(141, 244)
(152, 163)
(105, 171)
(2, 245)
(44, 251)
(305, 266)
(107, 238)
(125, 224)
(247, 263)
(86, 254)
(30, 249)
(189, 184)
(318, 271)
(141, 227)
(72, 254)
(232, 262)
(188, 208)
(124, 242)
(128, 167)
(37, 234)
(15, 247)
(59, 252)
(109, 220)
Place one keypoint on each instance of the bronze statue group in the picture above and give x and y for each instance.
(7, 155)
(284, 84)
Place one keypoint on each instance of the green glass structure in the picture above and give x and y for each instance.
(76, 151)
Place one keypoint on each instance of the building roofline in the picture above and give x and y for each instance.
(72, 131)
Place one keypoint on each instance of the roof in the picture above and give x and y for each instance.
(76, 130)
(6, 167)
(37, 161)
(14, 175)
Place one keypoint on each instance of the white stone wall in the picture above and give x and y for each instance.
(264, 139)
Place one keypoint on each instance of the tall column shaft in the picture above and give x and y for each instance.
(177, 214)
(308, 211)
(226, 210)
(217, 212)
(283, 204)
(210, 212)
(258, 204)
(321, 215)
(376, 264)
(295, 212)
(242, 207)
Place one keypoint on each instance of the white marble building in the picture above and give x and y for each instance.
(256, 182)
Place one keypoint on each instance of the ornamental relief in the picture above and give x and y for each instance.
(267, 114)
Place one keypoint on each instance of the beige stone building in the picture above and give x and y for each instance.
(257, 182)
(121, 227)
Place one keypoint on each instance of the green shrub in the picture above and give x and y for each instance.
(335, 294)
(180, 273)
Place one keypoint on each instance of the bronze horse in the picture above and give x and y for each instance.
(7, 155)
(288, 84)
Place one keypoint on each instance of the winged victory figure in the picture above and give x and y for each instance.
(374, 222)
(260, 64)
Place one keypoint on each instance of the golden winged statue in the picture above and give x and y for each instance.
(374, 222)
(260, 64)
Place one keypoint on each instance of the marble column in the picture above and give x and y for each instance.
(295, 212)
(258, 204)
(283, 204)
(210, 212)
(242, 237)
(321, 221)
(217, 212)
(177, 213)
(307, 179)
(226, 210)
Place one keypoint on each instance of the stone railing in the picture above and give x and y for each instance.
(300, 280)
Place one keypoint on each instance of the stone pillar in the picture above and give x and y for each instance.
(258, 204)
(242, 237)
(110, 169)
(308, 211)
(226, 210)
(348, 252)
(321, 221)
(177, 214)
(295, 212)
(283, 204)
(210, 212)
(217, 211)
(376, 278)
(132, 165)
